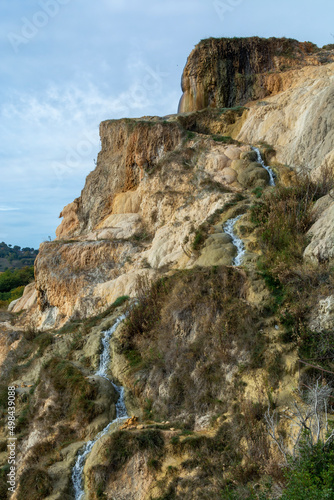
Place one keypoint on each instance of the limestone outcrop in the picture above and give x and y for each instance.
(139, 214)
(321, 246)
(227, 72)
(286, 86)
(298, 121)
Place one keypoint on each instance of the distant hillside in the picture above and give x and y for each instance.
(15, 257)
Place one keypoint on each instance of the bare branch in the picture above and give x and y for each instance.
(309, 419)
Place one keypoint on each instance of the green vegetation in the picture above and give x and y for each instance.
(225, 139)
(283, 217)
(190, 135)
(120, 447)
(220, 471)
(15, 257)
(200, 237)
(312, 476)
(12, 283)
(258, 192)
(235, 109)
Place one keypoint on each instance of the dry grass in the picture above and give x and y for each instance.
(285, 215)
(35, 483)
(185, 330)
(75, 395)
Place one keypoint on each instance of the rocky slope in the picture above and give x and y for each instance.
(155, 184)
(207, 345)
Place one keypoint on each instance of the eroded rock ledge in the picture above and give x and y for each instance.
(226, 72)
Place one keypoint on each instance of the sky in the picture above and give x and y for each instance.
(67, 65)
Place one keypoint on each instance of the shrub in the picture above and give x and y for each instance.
(285, 215)
(224, 139)
(76, 394)
(199, 239)
(122, 445)
(34, 483)
(312, 477)
(11, 279)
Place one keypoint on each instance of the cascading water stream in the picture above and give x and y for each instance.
(121, 413)
(237, 242)
(229, 225)
(268, 169)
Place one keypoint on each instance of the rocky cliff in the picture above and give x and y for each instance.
(156, 183)
(227, 72)
(287, 85)
(210, 342)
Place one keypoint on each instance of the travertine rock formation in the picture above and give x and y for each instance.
(203, 352)
(226, 72)
(158, 180)
(137, 217)
(299, 120)
(295, 79)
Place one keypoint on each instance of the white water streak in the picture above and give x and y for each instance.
(237, 242)
(121, 413)
(268, 169)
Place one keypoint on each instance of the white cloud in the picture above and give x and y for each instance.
(50, 138)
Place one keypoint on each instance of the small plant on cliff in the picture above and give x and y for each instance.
(35, 483)
(76, 394)
(123, 445)
(199, 239)
(224, 139)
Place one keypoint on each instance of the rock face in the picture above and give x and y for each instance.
(129, 147)
(227, 72)
(321, 246)
(139, 214)
(295, 79)
(298, 121)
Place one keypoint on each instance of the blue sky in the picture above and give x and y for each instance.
(66, 65)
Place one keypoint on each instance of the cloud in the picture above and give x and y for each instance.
(50, 138)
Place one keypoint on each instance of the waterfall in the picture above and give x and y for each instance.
(121, 413)
(237, 242)
(270, 172)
